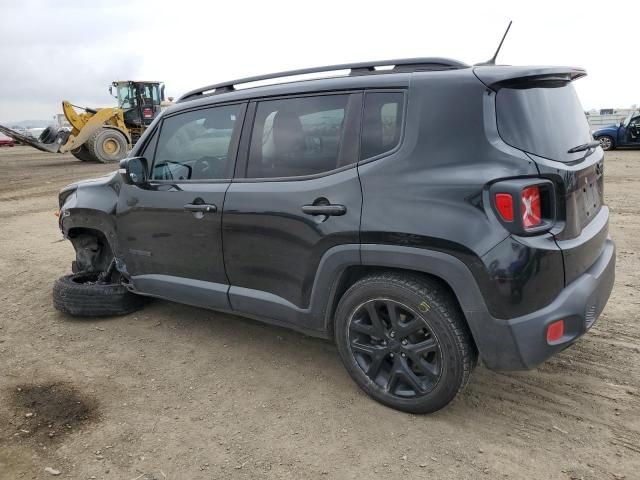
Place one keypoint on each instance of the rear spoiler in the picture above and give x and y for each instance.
(496, 77)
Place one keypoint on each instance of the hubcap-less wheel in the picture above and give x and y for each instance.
(605, 143)
(110, 146)
(395, 348)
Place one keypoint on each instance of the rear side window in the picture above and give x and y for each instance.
(381, 123)
(195, 145)
(543, 118)
(301, 136)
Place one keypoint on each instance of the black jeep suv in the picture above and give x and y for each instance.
(422, 216)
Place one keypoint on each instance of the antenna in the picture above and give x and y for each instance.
(492, 60)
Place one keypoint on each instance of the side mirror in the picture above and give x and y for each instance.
(134, 171)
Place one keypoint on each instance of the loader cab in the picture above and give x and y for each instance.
(140, 101)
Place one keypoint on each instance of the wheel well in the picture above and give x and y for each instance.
(93, 251)
(613, 140)
(354, 273)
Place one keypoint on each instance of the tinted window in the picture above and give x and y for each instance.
(543, 120)
(150, 147)
(195, 145)
(381, 123)
(298, 136)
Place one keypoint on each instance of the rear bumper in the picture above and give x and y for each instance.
(521, 343)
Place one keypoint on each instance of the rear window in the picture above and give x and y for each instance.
(543, 120)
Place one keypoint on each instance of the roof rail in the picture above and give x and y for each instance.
(362, 68)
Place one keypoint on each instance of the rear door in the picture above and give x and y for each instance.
(170, 229)
(295, 196)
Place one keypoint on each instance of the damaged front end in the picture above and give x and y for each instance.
(87, 220)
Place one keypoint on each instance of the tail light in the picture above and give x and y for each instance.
(147, 112)
(524, 206)
(530, 207)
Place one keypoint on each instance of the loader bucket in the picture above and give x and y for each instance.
(45, 147)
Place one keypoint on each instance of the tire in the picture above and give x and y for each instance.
(77, 295)
(432, 363)
(48, 135)
(606, 142)
(108, 145)
(83, 154)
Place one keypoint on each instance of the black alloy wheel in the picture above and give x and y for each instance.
(395, 348)
(404, 340)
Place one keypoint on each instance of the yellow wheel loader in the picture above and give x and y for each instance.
(102, 134)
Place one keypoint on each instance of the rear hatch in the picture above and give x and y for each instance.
(538, 112)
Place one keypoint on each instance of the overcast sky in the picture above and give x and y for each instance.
(72, 50)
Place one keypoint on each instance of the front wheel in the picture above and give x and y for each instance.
(84, 295)
(606, 142)
(404, 341)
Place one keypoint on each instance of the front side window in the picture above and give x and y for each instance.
(299, 136)
(381, 123)
(196, 145)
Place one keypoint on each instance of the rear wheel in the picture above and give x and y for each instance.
(84, 295)
(606, 142)
(108, 145)
(404, 341)
(83, 154)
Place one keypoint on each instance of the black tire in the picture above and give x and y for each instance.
(108, 145)
(83, 154)
(48, 135)
(77, 295)
(422, 306)
(606, 142)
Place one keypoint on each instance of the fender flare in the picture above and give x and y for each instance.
(450, 269)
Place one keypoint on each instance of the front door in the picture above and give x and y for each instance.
(298, 195)
(170, 229)
(633, 131)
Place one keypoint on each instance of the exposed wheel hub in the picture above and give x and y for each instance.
(395, 348)
(110, 146)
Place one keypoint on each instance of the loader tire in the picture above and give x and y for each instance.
(108, 145)
(79, 296)
(83, 154)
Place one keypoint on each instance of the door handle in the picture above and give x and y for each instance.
(201, 207)
(331, 209)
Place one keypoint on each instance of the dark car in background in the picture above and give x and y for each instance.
(624, 134)
(421, 216)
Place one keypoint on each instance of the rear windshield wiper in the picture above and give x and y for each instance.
(584, 146)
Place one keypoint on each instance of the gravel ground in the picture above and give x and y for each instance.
(175, 392)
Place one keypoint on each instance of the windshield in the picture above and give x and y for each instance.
(545, 120)
(130, 95)
(126, 96)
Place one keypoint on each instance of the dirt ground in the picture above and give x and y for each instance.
(175, 392)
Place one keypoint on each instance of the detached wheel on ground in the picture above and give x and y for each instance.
(82, 295)
(606, 142)
(404, 341)
(83, 154)
(108, 145)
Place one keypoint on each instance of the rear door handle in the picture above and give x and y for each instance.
(330, 209)
(201, 207)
